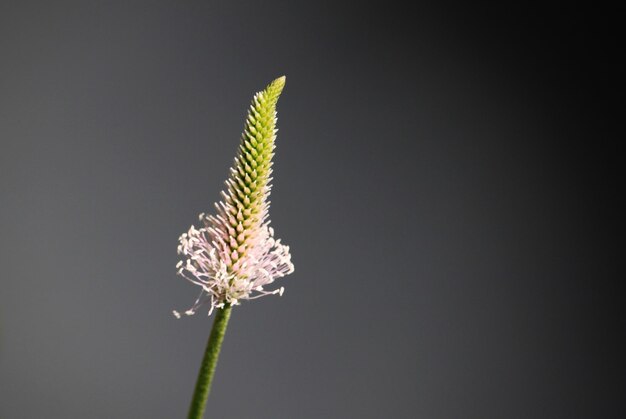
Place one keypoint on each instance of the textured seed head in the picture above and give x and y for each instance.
(234, 255)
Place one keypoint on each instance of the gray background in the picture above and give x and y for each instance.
(431, 178)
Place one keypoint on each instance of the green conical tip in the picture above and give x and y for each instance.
(279, 83)
(274, 89)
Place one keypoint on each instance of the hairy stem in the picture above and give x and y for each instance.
(209, 362)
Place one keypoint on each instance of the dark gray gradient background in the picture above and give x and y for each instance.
(433, 177)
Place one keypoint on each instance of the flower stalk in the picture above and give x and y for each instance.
(209, 362)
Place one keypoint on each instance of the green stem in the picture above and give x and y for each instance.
(207, 369)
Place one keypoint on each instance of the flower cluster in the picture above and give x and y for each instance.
(234, 255)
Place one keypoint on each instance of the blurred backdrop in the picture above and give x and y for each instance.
(434, 177)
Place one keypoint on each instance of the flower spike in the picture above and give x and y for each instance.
(234, 255)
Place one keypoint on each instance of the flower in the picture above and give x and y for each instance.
(234, 256)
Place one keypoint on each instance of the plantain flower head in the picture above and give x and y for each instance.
(234, 256)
